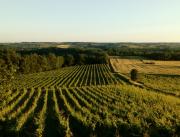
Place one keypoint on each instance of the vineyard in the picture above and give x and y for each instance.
(166, 83)
(84, 101)
(85, 75)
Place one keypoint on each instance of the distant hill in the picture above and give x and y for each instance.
(140, 46)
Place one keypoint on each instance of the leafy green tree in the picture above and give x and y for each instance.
(81, 59)
(7, 73)
(9, 61)
(24, 65)
(51, 61)
(59, 61)
(134, 74)
(42, 63)
(69, 59)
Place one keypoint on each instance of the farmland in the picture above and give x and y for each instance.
(77, 76)
(87, 100)
(124, 65)
(166, 83)
(163, 76)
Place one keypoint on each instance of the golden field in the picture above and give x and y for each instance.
(125, 65)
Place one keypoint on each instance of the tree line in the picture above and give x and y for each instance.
(150, 53)
(37, 60)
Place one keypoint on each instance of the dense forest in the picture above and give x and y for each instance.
(37, 60)
(165, 54)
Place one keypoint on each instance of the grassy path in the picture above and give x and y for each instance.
(51, 123)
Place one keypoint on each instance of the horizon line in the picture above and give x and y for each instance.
(87, 42)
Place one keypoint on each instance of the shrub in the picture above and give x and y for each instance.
(134, 74)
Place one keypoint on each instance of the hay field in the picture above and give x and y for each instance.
(63, 46)
(124, 66)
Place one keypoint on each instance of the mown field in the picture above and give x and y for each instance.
(125, 65)
(82, 101)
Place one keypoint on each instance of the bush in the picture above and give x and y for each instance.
(134, 74)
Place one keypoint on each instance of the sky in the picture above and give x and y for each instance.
(90, 20)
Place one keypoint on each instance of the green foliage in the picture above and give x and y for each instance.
(11, 61)
(124, 110)
(134, 74)
(166, 83)
(38, 60)
(7, 74)
(84, 75)
(69, 60)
